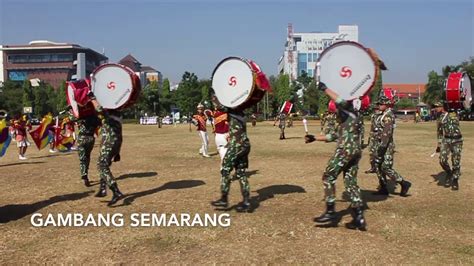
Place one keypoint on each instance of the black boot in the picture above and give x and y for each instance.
(382, 190)
(448, 181)
(327, 216)
(244, 206)
(102, 189)
(117, 194)
(454, 184)
(370, 171)
(222, 202)
(405, 187)
(87, 183)
(358, 220)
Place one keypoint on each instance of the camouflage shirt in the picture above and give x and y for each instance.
(330, 121)
(448, 128)
(375, 129)
(386, 123)
(237, 129)
(348, 133)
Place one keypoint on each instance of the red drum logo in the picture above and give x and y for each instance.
(111, 85)
(346, 72)
(233, 81)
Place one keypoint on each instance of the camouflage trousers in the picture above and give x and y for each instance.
(235, 157)
(341, 161)
(108, 150)
(84, 147)
(455, 149)
(384, 166)
(373, 153)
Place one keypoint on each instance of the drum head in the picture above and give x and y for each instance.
(113, 85)
(233, 81)
(348, 69)
(467, 91)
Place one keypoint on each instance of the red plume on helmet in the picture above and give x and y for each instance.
(332, 106)
(365, 102)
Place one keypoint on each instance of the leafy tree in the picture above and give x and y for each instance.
(61, 101)
(434, 88)
(165, 97)
(205, 86)
(51, 101)
(28, 97)
(9, 98)
(40, 100)
(188, 94)
(405, 103)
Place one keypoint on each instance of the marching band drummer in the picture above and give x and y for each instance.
(236, 158)
(281, 118)
(199, 120)
(109, 149)
(87, 125)
(345, 159)
(449, 141)
(385, 148)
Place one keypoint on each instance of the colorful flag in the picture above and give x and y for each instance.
(41, 135)
(5, 137)
(61, 142)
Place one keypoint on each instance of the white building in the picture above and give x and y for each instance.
(302, 50)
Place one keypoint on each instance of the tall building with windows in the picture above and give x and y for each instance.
(302, 50)
(47, 61)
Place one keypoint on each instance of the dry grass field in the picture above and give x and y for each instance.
(162, 172)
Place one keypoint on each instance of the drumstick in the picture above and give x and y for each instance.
(305, 123)
(433, 154)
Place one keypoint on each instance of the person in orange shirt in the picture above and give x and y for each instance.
(199, 120)
(221, 128)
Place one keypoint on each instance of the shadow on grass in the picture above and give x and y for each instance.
(267, 193)
(54, 155)
(14, 212)
(181, 184)
(440, 178)
(19, 163)
(137, 175)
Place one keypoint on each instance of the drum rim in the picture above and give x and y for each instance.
(71, 83)
(132, 77)
(456, 104)
(251, 70)
(374, 60)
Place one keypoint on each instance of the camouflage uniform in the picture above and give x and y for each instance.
(237, 154)
(375, 130)
(111, 144)
(346, 157)
(282, 118)
(362, 129)
(85, 141)
(330, 121)
(385, 150)
(450, 141)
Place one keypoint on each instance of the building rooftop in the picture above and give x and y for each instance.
(131, 62)
(407, 88)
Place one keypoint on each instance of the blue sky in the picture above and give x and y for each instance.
(412, 37)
